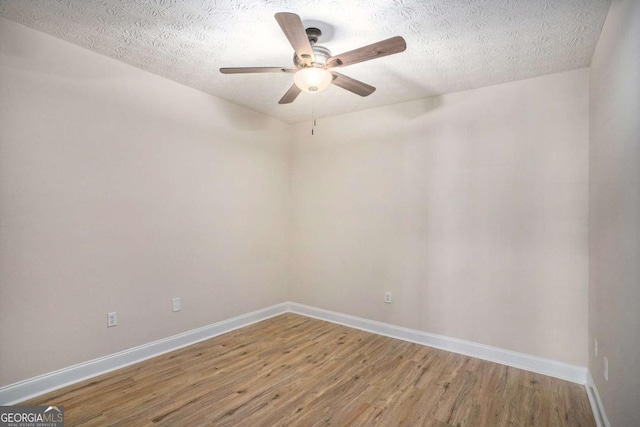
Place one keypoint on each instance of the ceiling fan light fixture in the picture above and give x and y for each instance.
(312, 79)
(311, 60)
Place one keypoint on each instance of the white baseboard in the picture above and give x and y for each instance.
(24, 390)
(552, 368)
(596, 403)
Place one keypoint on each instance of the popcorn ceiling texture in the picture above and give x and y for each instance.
(453, 45)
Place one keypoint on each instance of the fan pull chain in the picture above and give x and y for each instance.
(313, 116)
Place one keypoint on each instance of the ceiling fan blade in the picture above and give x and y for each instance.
(291, 95)
(352, 85)
(244, 70)
(292, 27)
(376, 50)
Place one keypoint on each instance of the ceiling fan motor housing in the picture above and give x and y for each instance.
(321, 53)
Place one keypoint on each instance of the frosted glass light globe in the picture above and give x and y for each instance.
(312, 79)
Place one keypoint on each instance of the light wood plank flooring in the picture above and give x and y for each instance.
(295, 371)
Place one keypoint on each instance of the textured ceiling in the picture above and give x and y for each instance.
(452, 45)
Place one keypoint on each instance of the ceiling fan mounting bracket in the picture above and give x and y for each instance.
(313, 34)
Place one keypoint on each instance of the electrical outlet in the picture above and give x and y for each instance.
(595, 347)
(112, 319)
(176, 304)
(387, 297)
(606, 369)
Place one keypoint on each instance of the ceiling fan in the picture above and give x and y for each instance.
(312, 61)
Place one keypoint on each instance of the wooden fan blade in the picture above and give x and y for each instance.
(377, 50)
(352, 85)
(243, 70)
(292, 27)
(291, 95)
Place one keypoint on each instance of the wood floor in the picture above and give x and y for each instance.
(295, 371)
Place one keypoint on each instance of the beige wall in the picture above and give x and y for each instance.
(614, 209)
(471, 208)
(118, 191)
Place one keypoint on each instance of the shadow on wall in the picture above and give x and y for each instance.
(240, 118)
(416, 109)
(408, 110)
